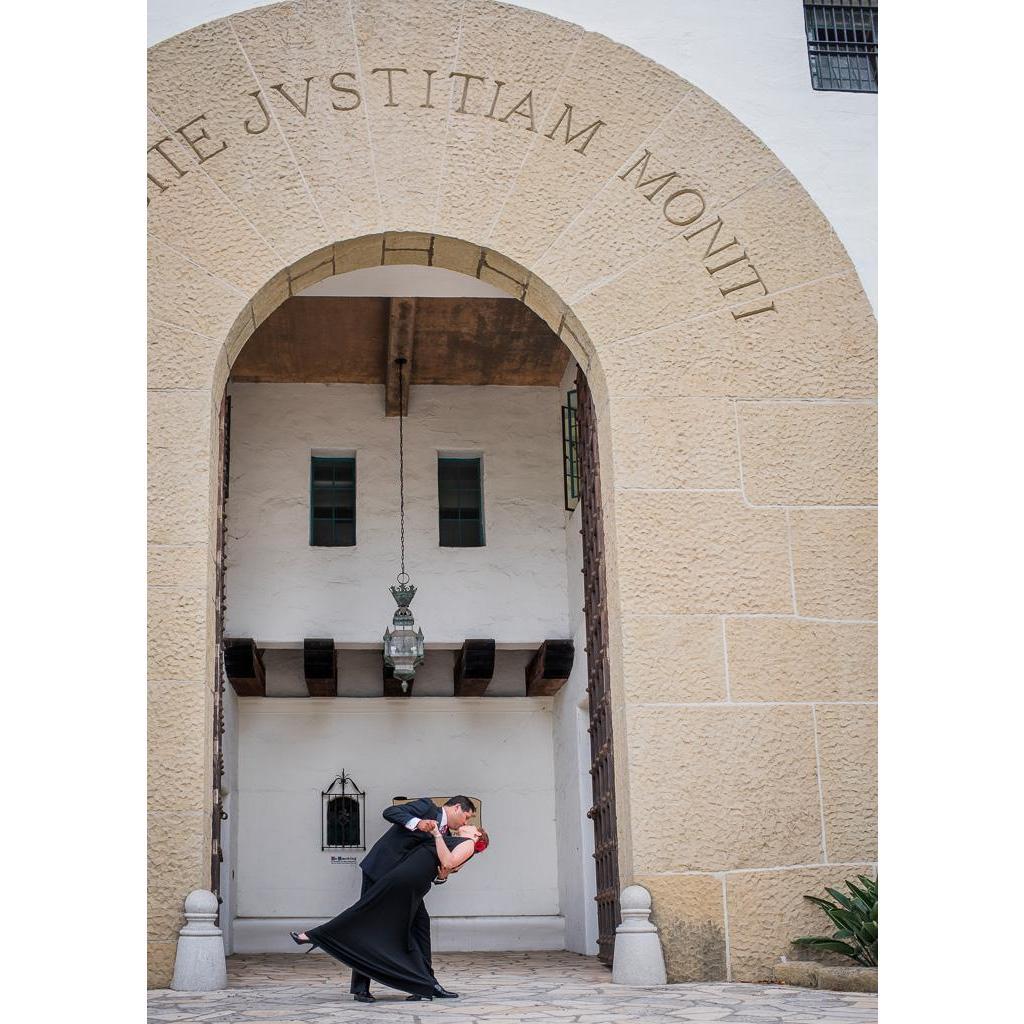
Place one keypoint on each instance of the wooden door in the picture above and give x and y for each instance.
(598, 683)
(216, 853)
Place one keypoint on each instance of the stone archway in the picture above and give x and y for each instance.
(730, 348)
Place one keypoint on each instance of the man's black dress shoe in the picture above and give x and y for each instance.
(438, 993)
(363, 997)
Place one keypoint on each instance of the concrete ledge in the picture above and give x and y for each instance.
(809, 974)
(447, 934)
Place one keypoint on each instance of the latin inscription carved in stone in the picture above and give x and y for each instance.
(682, 205)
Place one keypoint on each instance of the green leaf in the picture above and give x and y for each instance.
(858, 892)
(862, 908)
(831, 944)
(870, 885)
(844, 920)
(819, 902)
(855, 918)
(839, 897)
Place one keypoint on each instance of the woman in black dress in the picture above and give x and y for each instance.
(374, 935)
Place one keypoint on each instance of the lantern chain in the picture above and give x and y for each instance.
(402, 576)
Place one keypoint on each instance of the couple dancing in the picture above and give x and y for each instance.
(386, 935)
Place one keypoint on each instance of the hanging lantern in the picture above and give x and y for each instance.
(403, 645)
(404, 650)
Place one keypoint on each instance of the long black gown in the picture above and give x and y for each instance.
(374, 935)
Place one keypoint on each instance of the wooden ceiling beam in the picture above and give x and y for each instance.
(307, 341)
(460, 341)
(549, 668)
(485, 341)
(474, 668)
(320, 666)
(243, 665)
(401, 325)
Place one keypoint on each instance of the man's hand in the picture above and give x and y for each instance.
(442, 874)
(426, 825)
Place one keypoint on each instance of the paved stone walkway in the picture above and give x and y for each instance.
(495, 988)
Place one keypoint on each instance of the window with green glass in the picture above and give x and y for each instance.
(460, 502)
(571, 452)
(332, 504)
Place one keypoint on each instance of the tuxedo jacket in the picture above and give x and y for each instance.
(399, 841)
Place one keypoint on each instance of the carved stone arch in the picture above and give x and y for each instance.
(726, 337)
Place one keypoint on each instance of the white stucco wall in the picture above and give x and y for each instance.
(750, 56)
(497, 750)
(577, 883)
(527, 758)
(280, 589)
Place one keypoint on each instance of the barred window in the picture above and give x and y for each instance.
(343, 821)
(842, 44)
(343, 815)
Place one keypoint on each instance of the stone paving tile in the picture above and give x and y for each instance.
(496, 988)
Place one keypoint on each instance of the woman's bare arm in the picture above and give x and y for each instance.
(451, 859)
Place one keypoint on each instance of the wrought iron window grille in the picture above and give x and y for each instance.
(343, 815)
(570, 452)
(842, 44)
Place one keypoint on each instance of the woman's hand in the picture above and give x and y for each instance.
(447, 859)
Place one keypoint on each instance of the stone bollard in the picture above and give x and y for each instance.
(638, 959)
(199, 965)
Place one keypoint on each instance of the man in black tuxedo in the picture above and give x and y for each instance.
(411, 824)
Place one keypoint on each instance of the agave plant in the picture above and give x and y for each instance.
(856, 920)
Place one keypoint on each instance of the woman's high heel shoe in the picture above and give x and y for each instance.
(303, 942)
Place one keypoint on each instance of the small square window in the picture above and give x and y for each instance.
(842, 44)
(460, 502)
(332, 501)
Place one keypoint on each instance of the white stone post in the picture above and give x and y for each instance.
(200, 965)
(638, 959)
